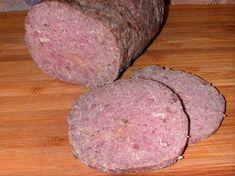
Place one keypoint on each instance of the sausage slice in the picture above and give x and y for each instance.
(128, 126)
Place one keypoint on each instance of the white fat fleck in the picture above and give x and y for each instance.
(78, 132)
(105, 165)
(44, 40)
(180, 157)
(137, 156)
(128, 139)
(164, 144)
(69, 75)
(159, 115)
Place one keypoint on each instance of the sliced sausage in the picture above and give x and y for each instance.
(202, 102)
(128, 126)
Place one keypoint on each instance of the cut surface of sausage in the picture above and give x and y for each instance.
(128, 126)
(67, 44)
(202, 102)
(90, 42)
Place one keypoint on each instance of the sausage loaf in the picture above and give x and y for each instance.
(90, 42)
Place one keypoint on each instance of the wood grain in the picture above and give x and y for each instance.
(34, 107)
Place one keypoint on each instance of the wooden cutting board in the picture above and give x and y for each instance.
(33, 106)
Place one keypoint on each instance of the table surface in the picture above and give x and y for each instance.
(34, 107)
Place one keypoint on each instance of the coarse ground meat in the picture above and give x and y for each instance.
(90, 42)
(203, 103)
(128, 126)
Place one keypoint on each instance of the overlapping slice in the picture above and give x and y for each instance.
(202, 102)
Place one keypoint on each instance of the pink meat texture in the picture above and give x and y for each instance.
(90, 42)
(202, 102)
(128, 126)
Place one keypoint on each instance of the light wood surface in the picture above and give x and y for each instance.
(34, 107)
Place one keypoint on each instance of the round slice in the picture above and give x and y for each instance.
(203, 103)
(127, 126)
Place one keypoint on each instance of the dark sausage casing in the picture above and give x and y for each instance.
(90, 42)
